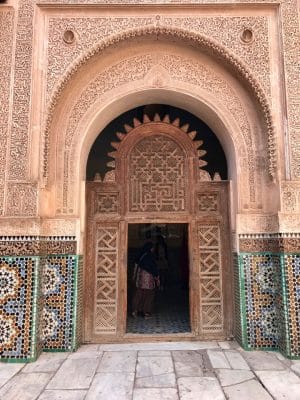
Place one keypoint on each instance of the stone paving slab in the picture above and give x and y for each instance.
(24, 386)
(87, 354)
(261, 360)
(154, 353)
(277, 383)
(235, 359)
(160, 346)
(218, 359)
(295, 366)
(230, 377)
(116, 386)
(187, 363)
(63, 395)
(250, 390)
(118, 362)
(7, 371)
(153, 394)
(74, 374)
(154, 371)
(47, 362)
(200, 388)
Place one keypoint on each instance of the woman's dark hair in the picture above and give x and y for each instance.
(147, 246)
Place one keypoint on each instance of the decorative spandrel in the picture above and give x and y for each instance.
(157, 176)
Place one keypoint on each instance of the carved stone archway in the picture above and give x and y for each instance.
(162, 72)
(157, 176)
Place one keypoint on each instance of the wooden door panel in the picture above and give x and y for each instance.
(158, 175)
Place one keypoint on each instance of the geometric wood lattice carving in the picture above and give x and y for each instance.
(106, 280)
(207, 202)
(157, 175)
(106, 203)
(211, 301)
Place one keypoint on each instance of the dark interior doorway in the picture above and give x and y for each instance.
(171, 300)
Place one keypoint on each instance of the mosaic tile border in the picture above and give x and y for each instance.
(19, 295)
(46, 288)
(78, 305)
(290, 275)
(37, 245)
(59, 291)
(259, 279)
(275, 243)
(239, 307)
(264, 298)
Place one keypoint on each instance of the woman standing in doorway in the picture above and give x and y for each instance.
(161, 254)
(146, 278)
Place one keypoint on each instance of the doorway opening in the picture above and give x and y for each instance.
(170, 310)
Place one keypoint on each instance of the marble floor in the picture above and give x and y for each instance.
(154, 371)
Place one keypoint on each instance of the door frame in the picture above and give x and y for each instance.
(123, 290)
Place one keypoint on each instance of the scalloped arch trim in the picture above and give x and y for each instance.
(198, 40)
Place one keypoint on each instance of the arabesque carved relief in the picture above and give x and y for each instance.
(20, 137)
(6, 35)
(95, 29)
(21, 199)
(201, 41)
(290, 196)
(157, 182)
(179, 69)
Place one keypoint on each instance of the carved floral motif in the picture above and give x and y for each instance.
(290, 196)
(21, 200)
(20, 138)
(93, 29)
(6, 32)
(203, 42)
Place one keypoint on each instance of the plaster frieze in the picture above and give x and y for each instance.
(19, 136)
(289, 222)
(21, 199)
(6, 49)
(224, 29)
(257, 223)
(290, 196)
(207, 44)
(171, 2)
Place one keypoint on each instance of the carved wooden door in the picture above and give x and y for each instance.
(157, 175)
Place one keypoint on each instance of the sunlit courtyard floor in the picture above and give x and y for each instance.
(154, 371)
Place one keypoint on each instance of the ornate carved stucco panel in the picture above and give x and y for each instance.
(199, 41)
(6, 42)
(157, 176)
(291, 34)
(179, 69)
(257, 223)
(20, 137)
(290, 196)
(21, 200)
(194, 73)
(225, 29)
